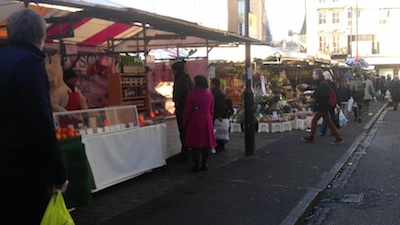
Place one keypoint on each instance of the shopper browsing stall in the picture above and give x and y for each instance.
(182, 86)
(30, 157)
(197, 119)
(220, 115)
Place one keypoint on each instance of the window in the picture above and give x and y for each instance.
(322, 17)
(336, 44)
(240, 29)
(241, 7)
(335, 17)
(350, 17)
(384, 15)
(323, 43)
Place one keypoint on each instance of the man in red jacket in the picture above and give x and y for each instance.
(321, 108)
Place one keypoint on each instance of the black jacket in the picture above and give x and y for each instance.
(394, 87)
(29, 151)
(219, 103)
(357, 86)
(182, 86)
(321, 97)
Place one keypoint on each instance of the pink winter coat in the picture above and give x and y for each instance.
(198, 123)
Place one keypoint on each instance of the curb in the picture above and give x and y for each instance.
(305, 205)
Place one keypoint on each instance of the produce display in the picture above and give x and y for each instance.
(64, 133)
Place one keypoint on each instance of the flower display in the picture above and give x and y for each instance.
(290, 116)
(263, 118)
(301, 115)
(277, 120)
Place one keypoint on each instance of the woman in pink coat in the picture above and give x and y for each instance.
(197, 120)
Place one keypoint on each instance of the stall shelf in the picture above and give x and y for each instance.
(117, 148)
(129, 89)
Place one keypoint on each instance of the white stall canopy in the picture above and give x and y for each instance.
(105, 24)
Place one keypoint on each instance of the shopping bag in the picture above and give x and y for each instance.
(350, 104)
(56, 212)
(222, 129)
(387, 94)
(342, 119)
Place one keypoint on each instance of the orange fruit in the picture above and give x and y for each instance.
(63, 136)
(70, 134)
(70, 129)
(58, 136)
(58, 130)
(76, 134)
(63, 130)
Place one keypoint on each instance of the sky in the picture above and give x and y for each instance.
(283, 15)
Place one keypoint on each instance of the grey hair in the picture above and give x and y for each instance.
(27, 26)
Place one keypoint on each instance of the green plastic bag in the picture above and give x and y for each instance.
(56, 212)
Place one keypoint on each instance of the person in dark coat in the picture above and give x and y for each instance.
(329, 79)
(30, 160)
(381, 87)
(219, 108)
(182, 86)
(357, 86)
(322, 108)
(394, 88)
(344, 95)
(198, 121)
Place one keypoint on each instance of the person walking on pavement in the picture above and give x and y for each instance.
(30, 156)
(323, 128)
(369, 94)
(321, 108)
(381, 87)
(395, 92)
(182, 86)
(344, 95)
(357, 86)
(197, 119)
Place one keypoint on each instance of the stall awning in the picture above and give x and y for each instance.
(95, 23)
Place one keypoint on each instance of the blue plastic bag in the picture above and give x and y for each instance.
(56, 212)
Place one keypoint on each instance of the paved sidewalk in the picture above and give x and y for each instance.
(366, 190)
(277, 185)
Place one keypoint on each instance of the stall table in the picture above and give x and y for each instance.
(119, 156)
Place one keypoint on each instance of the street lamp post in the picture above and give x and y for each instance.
(357, 28)
(248, 93)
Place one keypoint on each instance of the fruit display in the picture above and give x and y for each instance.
(64, 133)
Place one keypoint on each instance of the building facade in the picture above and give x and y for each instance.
(344, 29)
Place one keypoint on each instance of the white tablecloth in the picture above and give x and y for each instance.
(119, 156)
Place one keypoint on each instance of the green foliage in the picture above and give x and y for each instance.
(222, 85)
(266, 101)
(275, 82)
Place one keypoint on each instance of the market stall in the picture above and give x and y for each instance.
(102, 43)
(117, 148)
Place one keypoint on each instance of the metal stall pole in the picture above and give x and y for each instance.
(248, 93)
